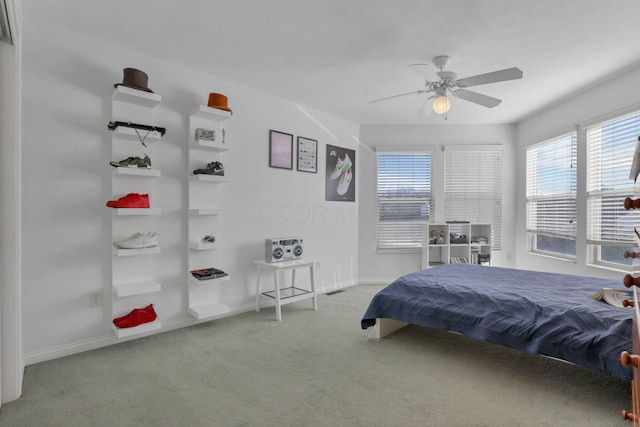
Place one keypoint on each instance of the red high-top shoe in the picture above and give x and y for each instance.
(131, 200)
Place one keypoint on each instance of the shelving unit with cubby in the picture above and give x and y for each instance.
(205, 211)
(133, 283)
(456, 242)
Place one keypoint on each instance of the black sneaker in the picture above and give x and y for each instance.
(133, 162)
(213, 168)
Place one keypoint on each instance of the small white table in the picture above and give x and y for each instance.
(288, 294)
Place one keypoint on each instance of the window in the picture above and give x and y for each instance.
(610, 150)
(551, 196)
(473, 187)
(404, 199)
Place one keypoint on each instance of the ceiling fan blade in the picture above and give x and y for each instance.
(422, 107)
(424, 70)
(415, 92)
(493, 77)
(477, 98)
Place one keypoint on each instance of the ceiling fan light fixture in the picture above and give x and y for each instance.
(441, 104)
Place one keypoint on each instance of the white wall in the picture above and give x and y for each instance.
(11, 363)
(68, 82)
(617, 94)
(384, 267)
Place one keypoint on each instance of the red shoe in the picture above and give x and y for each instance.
(137, 317)
(131, 200)
(135, 310)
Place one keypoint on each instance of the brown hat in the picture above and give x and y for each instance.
(218, 101)
(135, 79)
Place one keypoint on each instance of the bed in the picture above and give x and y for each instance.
(536, 312)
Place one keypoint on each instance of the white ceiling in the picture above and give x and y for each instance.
(338, 55)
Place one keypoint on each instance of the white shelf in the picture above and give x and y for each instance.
(145, 327)
(208, 113)
(211, 145)
(209, 310)
(133, 252)
(142, 172)
(123, 132)
(205, 212)
(214, 179)
(136, 288)
(136, 97)
(136, 211)
(196, 282)
(199, 246)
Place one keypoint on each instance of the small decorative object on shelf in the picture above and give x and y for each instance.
(208, 273)
(205, 134)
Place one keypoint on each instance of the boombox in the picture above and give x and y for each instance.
(282, 249)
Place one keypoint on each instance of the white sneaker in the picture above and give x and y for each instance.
(138, 241)
(345, 180)
(341, 166)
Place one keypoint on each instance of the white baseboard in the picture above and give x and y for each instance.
(111, 339)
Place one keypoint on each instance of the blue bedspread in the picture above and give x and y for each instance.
(536, 312)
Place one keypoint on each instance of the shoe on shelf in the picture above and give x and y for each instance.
(135, 310)
(131, 200)
(213, 168)
(133, 162)
(208, 239)
(343, 184)
(138, 241)
(341, 166)
(136, 317)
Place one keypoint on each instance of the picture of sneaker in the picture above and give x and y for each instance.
(133, 162)
(345, 181)
(341, 166)
(131, 200)
(213, 168)
(136, 317)
(138, 241)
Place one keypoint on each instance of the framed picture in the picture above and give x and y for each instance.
(280, 150)
(307, 155)
(340, 174)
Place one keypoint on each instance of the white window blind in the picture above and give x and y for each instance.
(404, 199)
(610, 148)
(473, 187)
(551, 189)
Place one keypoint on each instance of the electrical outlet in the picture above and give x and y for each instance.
(95, 299)
(318, 265)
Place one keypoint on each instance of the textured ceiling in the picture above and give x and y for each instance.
(338, 55)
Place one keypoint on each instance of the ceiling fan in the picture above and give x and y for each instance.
(450, 84)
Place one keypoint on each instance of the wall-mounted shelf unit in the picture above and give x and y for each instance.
(133, 283)
(206, 199)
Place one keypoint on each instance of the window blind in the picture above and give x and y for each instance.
(404, 199)
(610, 148)
(473, 187)
(551, 187)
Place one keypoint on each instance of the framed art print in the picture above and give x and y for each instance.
(280, 150)
(307, 155)
(340, 174)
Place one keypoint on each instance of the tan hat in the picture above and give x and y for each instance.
(135, 79)
(219, 101)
